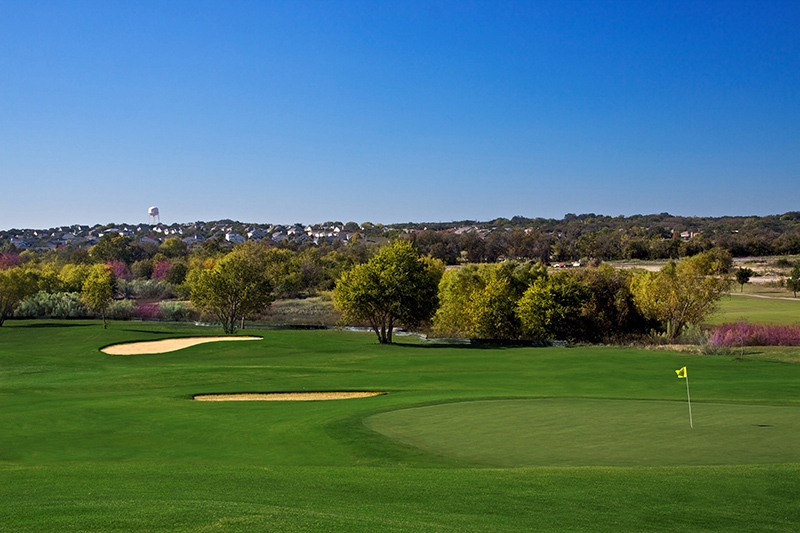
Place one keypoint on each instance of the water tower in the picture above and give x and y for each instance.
(153, 212)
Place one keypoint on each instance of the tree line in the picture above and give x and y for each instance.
(67, 283)
(522, 300)
(598, 238)
(396, 285)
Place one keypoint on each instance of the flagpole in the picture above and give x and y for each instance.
(689, 399)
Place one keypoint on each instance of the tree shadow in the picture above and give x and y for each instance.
(433, 346)
(54, 325)
(149, 332)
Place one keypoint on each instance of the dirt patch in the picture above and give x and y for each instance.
(166, 345)
(283, 396)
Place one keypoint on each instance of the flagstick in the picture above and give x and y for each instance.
(689, 399)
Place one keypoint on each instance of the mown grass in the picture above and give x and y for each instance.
(92, 442)
(756, 310)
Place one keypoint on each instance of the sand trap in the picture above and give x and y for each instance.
(166, 345)
(283, 396)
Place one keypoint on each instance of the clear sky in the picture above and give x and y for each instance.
(270, 111)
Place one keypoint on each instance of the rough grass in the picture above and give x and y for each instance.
(92, 442)
(314, 311)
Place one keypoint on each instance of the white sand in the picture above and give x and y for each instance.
(284, 396)
(166, 345)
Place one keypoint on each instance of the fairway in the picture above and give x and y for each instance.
(755, 310)
(588, 432)
(466, 439)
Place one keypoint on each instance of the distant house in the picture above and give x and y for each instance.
(194, 239)
(149, 240)
(234, 238)
(256, 234)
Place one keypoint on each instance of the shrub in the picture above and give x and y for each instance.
(9, 260)
(161, 270)
(142, 269)
(692, 334)
(55, 305)
(119, 269)
(148, 289)
(744, 334)
(121, 310)
(176, 311)
(148, 311)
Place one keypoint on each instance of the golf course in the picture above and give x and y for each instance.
(449, 438)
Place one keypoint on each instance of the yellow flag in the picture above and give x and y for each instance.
(681, 373)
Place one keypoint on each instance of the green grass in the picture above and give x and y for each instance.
(757, 310)
(597, 432)
(496, 439)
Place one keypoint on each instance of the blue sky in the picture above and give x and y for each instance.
(396, 111)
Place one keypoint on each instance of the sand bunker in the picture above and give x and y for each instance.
(166, 345)
(283, 396)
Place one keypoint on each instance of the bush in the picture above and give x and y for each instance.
(121, 310)
(148, 311)
(176, 311)
(744, 334)
(146, 289)
(55, 305)
(692, 334)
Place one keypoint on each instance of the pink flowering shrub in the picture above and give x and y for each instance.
(119, 269)
(147, 311)
(9, 260)
(161, 270)
(744, 334)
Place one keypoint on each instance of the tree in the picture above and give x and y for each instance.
(743, 276)
(609, 311)
(480, 301)
(682, 293)
(551, 308)
(16, 284)
(235, 288)
(112, 246)
(793, 282)
(97, 291)
(395, 286)
(173, 248)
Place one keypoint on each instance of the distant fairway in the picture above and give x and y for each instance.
(756, 310)
(587, 432)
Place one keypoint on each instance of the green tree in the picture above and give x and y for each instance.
(551, 308)
(682, 293)
(112, 246)
(457, 289)
(173, 248)
(480, 301)
(283, 269)
(609, 310)
(743, 276)
(396, 286)
(97, 291)
(72, 276)
(16, 284)
(793, 282)
(235, 288)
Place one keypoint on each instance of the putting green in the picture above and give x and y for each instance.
(589, 432)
